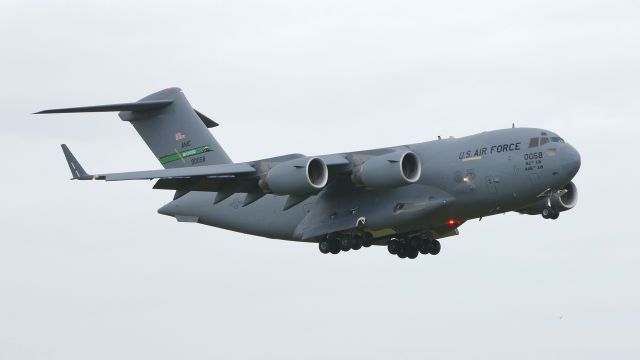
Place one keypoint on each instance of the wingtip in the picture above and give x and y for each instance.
(77, 172)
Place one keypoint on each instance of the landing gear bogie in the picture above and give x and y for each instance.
(335, 243)
(412, 246)
(402, 246)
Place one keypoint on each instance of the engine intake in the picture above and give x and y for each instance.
(561, 200)
(388, 171)
(566, 198)
(296, 177)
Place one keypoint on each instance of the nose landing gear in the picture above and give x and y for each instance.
(550, 213)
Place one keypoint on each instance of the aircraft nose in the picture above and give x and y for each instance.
(572, 159)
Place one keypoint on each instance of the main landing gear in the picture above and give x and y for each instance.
(409, 247)
(334, 243)
(403, 247)
(550, 213)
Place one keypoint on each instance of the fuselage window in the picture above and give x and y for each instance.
(557, 139)
(544, 140)
(533, 142)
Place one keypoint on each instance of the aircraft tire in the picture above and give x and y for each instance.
(546, 212)
(435, 247)
(424, 246)
(334, 247)
(324, 245)
(345, 243)
(402, 252)
(393, 246)
(356, 242)
(367, 239)
(412, 252)
(554, 215)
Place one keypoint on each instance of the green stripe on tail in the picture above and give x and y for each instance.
(184, 154)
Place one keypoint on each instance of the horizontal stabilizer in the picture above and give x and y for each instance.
(136, 106)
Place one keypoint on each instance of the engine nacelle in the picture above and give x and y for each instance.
(566, 198)
(561, 200)
(296, 177)
(388, 171)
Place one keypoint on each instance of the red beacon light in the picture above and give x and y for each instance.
(453, 222)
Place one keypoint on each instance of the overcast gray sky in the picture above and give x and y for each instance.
(91, 271)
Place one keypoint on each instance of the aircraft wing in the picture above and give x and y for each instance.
(189, 172)
(208, 171)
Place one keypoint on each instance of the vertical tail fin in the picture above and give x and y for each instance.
(176, 133)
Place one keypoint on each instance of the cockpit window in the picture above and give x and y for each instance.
(535, 142)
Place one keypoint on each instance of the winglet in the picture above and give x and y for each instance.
(77, 171)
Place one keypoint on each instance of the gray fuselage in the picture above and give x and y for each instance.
(462, 178)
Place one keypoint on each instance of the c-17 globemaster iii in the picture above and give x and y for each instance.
(404, 197)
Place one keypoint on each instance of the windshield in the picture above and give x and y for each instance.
(539, 141)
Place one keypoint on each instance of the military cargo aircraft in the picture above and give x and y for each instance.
(403, 197)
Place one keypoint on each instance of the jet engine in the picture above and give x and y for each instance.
(388, 171)
(296, 177)
(561, 200)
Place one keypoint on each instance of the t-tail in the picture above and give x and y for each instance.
(176, 133)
